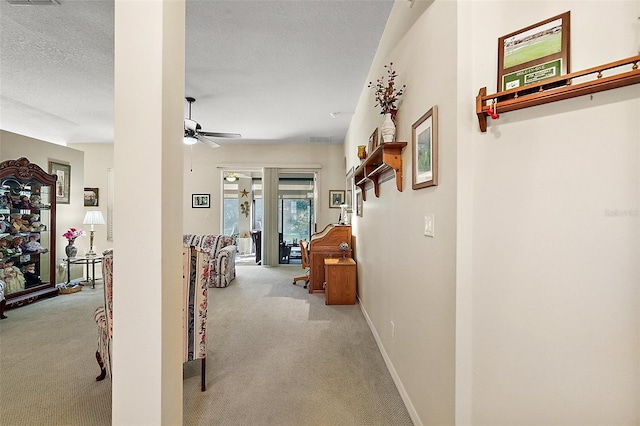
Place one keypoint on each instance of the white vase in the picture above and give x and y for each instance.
(388, 129)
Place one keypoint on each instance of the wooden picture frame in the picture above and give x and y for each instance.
(200, 201)
(91, 198)
(359, 204)
(424, 148)
(63, 184)
(537, 52)
(350, 186)
(336, 198)
(373, 142)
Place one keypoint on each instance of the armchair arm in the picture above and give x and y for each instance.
(223, 265)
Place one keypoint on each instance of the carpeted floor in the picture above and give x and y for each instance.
(277, 355)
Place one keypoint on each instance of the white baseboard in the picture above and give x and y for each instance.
(394, 374)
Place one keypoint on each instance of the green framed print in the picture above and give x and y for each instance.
(537, 52)
(424, 144)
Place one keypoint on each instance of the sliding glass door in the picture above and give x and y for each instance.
(295, 212)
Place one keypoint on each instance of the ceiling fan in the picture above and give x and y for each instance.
(193, 132)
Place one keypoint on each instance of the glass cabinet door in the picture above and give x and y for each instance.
(27, 239)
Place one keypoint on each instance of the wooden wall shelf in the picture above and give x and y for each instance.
(557, 89)
(387, 156)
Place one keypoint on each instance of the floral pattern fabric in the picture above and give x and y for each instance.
(223, 256)
(195, 275)
(104, 314)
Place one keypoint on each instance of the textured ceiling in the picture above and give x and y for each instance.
(270, 70)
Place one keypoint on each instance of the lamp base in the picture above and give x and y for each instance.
(91, 252)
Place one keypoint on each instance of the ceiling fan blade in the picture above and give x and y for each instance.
(190, 125)
(221, 134)
(207, 141)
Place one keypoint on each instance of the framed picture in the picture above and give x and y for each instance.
(336, 198)
(350, 188)
(200, 201)
(537, 52)
(91, 197)
(424, 143)
(63, 184)
(359, 203)
(373, 142)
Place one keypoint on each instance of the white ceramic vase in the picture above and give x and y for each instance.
(388, 129)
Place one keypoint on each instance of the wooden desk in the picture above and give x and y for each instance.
(324, 245)
(340, 287)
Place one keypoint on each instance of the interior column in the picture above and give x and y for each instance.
(148, 121)
(270, 247)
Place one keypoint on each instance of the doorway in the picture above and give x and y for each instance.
(242, 212)
(296, 213)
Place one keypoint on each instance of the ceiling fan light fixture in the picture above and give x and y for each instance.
(193, 132)
(190, 140)
(230, 178)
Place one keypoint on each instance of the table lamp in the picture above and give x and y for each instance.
(93, 217)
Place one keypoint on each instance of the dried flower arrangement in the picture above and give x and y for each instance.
(386, 95)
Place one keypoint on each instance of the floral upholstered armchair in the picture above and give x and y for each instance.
(223, 256)
(104, 318)
(195, 279)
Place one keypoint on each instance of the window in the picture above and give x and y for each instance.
(231, 209)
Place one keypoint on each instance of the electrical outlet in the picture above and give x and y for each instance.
(429, 225)
(393, 329)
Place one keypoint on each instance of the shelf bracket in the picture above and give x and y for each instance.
(393, 158)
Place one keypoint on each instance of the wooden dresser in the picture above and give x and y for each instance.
(324, 245)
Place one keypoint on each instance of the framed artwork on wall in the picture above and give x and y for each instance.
(350, 188)
(200, 201)
(359, 204)
(424, 144)
(91, 198)
(537, 52)
(373, 142)
(336, 198)
(63, 184)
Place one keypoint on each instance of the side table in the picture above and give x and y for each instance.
(340, 276)
(87, 260)
(244, 245)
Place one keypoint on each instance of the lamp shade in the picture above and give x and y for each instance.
(93, 217)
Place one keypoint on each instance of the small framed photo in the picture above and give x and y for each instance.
(424, 143)
(359, 203)
(63, 184)
(91, 198)
(373, 142)
(200, 201)
(537, 52)
(336, 198)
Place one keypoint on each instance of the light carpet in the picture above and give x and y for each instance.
(277, 355)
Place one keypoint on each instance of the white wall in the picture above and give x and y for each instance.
(552, 284)
(403, 276)
(98, 158)
(13, 146)
(202, 175)
(530, 289)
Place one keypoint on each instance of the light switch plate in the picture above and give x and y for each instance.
(429, 225)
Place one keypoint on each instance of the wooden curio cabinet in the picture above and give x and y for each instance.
(27, 231)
